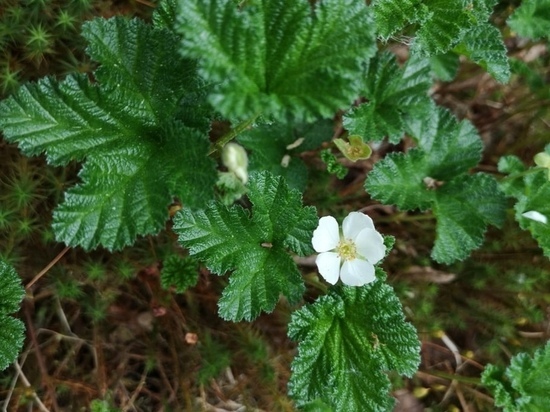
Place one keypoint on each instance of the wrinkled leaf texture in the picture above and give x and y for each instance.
(523, 386)
(279, 58)
(11, 329)
(532, 191)
(392, 93)
(139, 129)
(531, 19)
(463, 204)
(347, 340)
(253, 244)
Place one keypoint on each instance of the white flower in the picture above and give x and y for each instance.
(350, 256)
(536, 216)
(234, 157)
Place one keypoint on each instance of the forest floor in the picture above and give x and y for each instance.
(103, 335)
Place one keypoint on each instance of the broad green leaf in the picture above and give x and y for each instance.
(512, 186)
(523, 386)
(276, 148)
(531, 19)
(165, 14)
(347, 340)
(441, 23)
(11, 329)
(482, 9)
(131, 128)
(391, 93)
(398, 179)
(463, 208)
(446, 148)
(253, 245)
(392, 15)
(433, 176)
(510, 164)
(535, 198)
(483, 44)
(445, 66)
(447, 22)
(450, 146)
(280, 58)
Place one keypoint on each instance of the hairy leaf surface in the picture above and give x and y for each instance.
(433, 176)
(532, 191)
(280, 58)
(348, 339)
(132, 129)
(440, 22)
(483, 44)
(463, 208)
(523, 386)
(392, 93)
(531, 19)
(11, 329)
(253, 245)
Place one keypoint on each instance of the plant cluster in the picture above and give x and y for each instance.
(271, 75)
(39, 37)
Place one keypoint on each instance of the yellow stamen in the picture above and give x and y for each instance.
(346, 249)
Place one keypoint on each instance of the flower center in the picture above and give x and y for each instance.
(346, 249)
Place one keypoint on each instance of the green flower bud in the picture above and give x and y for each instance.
(543, 160)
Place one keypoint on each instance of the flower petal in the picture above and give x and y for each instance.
(328, 264)
(536, 216)
(327, 235)
(357, 272)
(354, 223)
(370, 245)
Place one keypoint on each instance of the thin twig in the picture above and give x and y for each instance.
(136, 392)
(40, 360)
(27, 384)
(47, 268)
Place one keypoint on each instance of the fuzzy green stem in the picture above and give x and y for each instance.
(534, 169)
(234, 132)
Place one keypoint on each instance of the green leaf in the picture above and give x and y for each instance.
(398, 179)
(440, 22)
(450, 147)
(131, 129)
(165, 14)
(523, 386)
(180, 272)
(531, 19)
(280, 58)
(391, 92)
(445, 66)
(463, 208)
(333, 166)
(483, 44)
(446, 23)
(253, 245)
(535, 197)
(348, 339)
(433, 176)
(392, 15)
(276, 148)
(11, 329)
